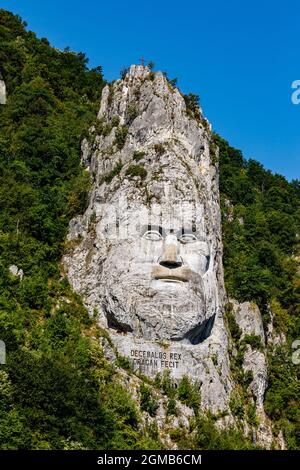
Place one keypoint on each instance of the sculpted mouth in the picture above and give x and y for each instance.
(181, 274)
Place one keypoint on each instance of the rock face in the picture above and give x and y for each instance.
(15, 271)
(2, 91)
(147, 253)
(248, 318)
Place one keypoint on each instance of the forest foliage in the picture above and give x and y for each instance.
(57, 391)
(261, 230)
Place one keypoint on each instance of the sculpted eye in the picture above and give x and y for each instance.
(187, 238)
(152, 235)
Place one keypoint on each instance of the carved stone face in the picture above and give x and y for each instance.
(151, 271)
(158, 275)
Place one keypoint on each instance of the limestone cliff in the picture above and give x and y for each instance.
(147, 253)
(2, 91)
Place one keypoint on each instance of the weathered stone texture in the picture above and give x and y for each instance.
(147, 252)
(2, 92)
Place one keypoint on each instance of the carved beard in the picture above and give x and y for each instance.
(153, 309)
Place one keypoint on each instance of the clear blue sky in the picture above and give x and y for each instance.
(239, 56)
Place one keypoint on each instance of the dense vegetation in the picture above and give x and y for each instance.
(261, 227)
(57, 391)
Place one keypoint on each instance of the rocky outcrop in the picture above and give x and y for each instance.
(274, 338)
(148, 250)
(248, 318)
(2, 91)
(15, 271)
(147, 253)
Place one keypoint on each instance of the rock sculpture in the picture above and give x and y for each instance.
(147, 252)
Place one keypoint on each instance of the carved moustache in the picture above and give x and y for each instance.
(182, 274)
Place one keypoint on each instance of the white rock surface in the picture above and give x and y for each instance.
(15, 271)
(160, 294)
(2, 92)
(248, 318)
(256, 362)
(155, 291)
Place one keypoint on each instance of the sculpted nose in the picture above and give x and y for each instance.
(170, 256)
